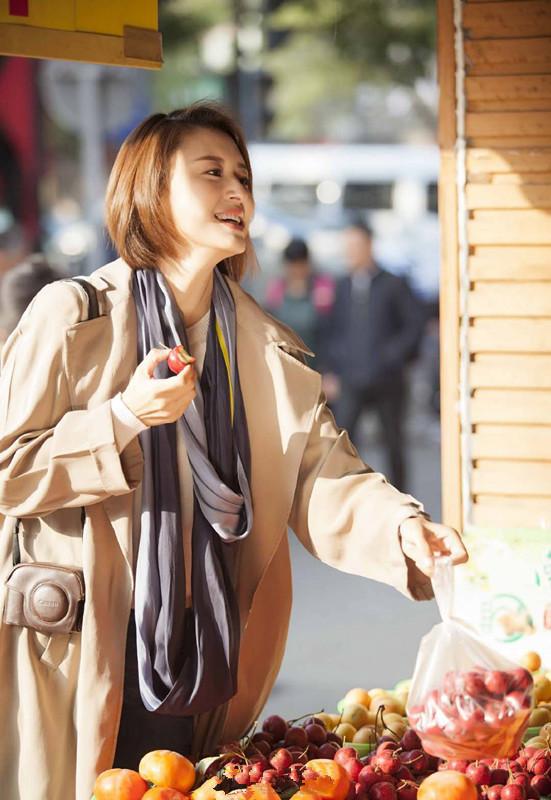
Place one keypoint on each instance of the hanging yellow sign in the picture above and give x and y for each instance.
(122, 32)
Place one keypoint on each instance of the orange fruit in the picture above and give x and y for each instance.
(164, 793)
(447, 785)
(119, 784)
(168, 768)
(531, 661)
(330, 780)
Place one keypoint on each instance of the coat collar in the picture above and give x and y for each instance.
(114, 281)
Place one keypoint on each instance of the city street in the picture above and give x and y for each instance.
(347, 631)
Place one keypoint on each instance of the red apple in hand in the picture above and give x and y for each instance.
(178, 358)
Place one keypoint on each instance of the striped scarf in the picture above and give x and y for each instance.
(187, 658)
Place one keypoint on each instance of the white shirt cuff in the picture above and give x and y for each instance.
(126, 424)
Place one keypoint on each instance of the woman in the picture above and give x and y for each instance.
(189, 516)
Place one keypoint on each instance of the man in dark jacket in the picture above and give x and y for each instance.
(375, 328)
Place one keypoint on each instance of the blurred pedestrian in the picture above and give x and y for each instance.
(375, 329)
(19, 286)
(302, 298)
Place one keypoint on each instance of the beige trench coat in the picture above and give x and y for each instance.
(61, 697)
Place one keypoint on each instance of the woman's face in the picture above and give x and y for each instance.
(210, 199)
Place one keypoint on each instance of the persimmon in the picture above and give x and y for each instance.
(447, 785)
(330, 779)
(208, 790)
(257, 791)
(119, 784)
(164, 793)
(304, 794)
(168, 768)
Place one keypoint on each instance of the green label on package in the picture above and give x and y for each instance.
(504, 590)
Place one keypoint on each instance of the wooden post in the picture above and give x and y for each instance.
(449, 280)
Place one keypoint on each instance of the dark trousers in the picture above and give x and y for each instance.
(141, 730)
(389, 402)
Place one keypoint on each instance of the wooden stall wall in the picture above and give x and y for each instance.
(506, 86)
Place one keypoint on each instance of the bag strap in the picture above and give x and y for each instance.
(93, 312)
(93, 304)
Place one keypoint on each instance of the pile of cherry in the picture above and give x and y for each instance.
(278, 755)
(393, 772)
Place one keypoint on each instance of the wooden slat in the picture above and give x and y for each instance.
(508, 196)
(531, 227)
(517, 104)
(513, 512)
(509, 123)
(507, 19)
(504, 89)
(510, 300)
(508, 56)
(510, 371)
(510, 264)
(483, 160)
(488, 335)
(511, 406)
(520, 179)
(449, 285)
(520, 142)
(512, 442)
(519, 478)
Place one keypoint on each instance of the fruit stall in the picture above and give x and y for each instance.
(482, 735)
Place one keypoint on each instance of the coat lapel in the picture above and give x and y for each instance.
(280, 395)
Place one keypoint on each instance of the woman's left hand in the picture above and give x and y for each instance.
(421, 542)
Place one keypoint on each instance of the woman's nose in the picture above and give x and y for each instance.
(236, 188)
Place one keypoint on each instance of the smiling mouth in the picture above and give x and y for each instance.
(234, 221)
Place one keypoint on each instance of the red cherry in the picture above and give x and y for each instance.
(498, 776)
(497, 682)
(368, 777)
(282, 759)
(478, 773)
(328, 750)
(513, 792)
(458, 765)
(410, 740)
(407, 791)
(353, 767)
(542, 783)
(539, 764)
(473, 684)
(494, 792)
(521, 679)
(295, 737)
(343, 754)
(383, 791)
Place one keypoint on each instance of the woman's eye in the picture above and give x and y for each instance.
(245, 181)
(215, 171)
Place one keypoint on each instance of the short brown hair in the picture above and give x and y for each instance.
(137, 192)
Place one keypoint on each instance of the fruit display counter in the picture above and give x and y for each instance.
(369, 750)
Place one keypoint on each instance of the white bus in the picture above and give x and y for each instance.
(312, 190)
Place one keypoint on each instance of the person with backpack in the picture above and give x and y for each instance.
(302, 298)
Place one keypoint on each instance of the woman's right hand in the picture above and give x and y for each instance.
(159, 401)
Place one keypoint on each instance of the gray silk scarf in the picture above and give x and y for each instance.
(187, 659)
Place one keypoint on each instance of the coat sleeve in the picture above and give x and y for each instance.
(344, 513)
(52, 456)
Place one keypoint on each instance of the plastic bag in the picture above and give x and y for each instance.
(466, 701)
